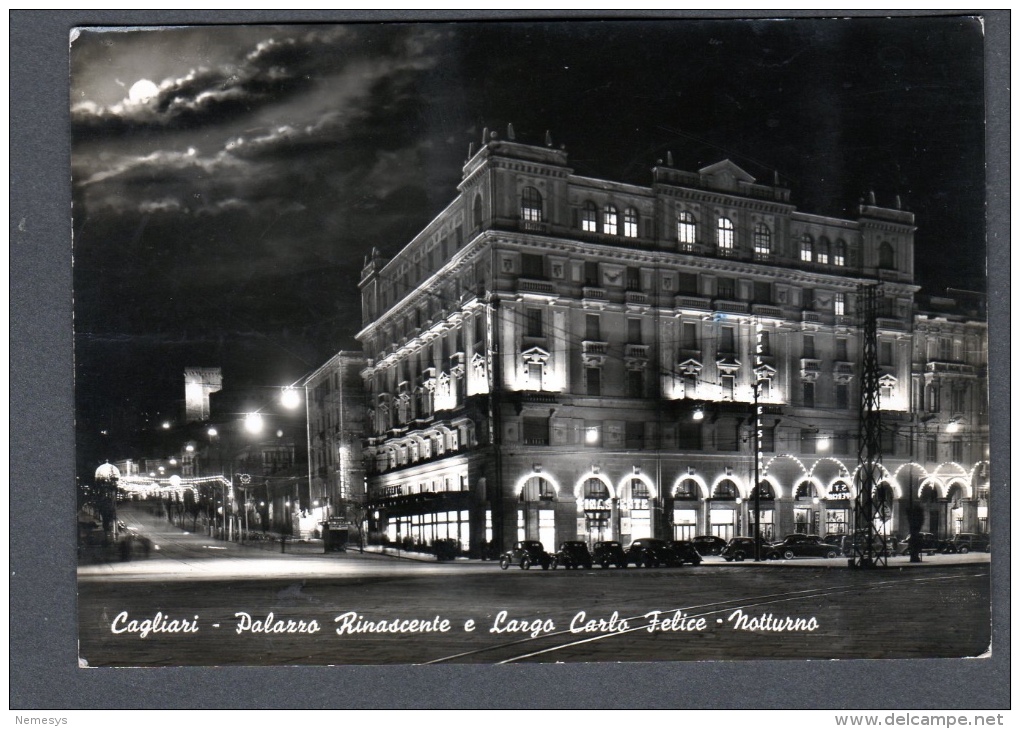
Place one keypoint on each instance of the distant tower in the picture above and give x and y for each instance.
(199, 384)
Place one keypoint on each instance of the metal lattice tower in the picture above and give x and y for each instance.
(871, 504)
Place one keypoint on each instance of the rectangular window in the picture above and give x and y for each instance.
(956, 450)
(532, 266)
(534, 323)
(931, 449)
(885, 353)
(593, 381)
(945, 348)
(762, 292)
(888, 442)
(591, 273)
(808, 391)
(809, 347)
(841, 351)
(689, 336)
(727, 341)
(843, 397)
(728, 386)
(534, 376)
(536, 431)
(726, 288)
(768, 439)
(635, 383)
(589, 219)
(808, 299)
(764, 388)
(634, 331)
(689, 434)
(957, 400)
(688, 284)
(727, 434)
(609, 221)
(634, 434)
(633, 278)
(840, 305)
(592, 328)
(806, 251)
(808, 441)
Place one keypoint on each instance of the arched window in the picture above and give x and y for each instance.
(609, 220)
(724, 234)
(725, 489)
(590, 218)
(822, 256)
(477, 213)
(839, 254)
(531, 205)
(762, 241)
(807, 249)
(686, 231)
(886, 256)
(630, 218)
(687, 489)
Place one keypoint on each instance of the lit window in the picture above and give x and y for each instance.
(630, 223)
(609, 220)
(762, 241)
(686, 231)
(531, 205)
(839, 255)
(724, 234)
(589, 218)
(807, 249)
(840, 304)
(823, 251)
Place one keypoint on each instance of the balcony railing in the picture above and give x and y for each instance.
(595, 347)
(773, 312)
(531, 286)
(593, 292)
(734, 307)
(637, 297)
(693, 302)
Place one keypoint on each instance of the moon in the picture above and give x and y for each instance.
(142, 91)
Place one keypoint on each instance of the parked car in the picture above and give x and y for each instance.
(526, 554)
(968, 542)
(649, 552)
(573, 555)
(859, 539)
(607, 553)
(708, 545)
(685, 552)
(801, 545)
(740, 548)
(930, 544)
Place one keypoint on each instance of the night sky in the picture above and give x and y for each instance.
(228, 181)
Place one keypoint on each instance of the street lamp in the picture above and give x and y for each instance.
(253, 423)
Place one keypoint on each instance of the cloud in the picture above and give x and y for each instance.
(271, 72)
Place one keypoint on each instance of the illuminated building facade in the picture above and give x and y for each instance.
(557, 357)
(336, 418)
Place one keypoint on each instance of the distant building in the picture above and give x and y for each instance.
(558, 357)
(199, 384)
(336, 429)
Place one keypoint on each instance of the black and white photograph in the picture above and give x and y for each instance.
(532, 341)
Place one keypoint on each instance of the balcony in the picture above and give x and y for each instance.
(892, 324)
(533, 286)
(700, 303)
(811, 317)
(766, 310)
(594, 293)
(733, 307)
(636, 297)
(950, 368)
(595, 347)
(636, 351)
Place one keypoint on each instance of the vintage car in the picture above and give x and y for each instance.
(525, 554)
(573, 555)
(649, 552)
(968, 542)
(685, 553)
(607, 553)
(801, 545)
(707, 544)
(740, 548)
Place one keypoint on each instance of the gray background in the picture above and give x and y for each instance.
(43, 630)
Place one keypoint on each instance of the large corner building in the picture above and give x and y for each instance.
(557, 357)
